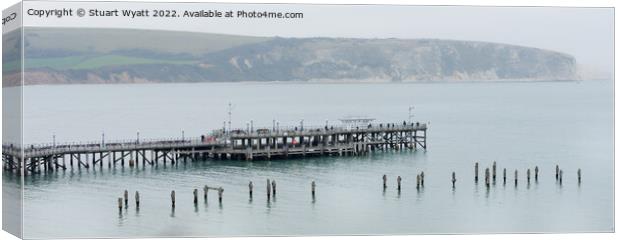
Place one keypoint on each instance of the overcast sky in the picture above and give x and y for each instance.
(586, 33)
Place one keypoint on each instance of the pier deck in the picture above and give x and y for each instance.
(247, 144)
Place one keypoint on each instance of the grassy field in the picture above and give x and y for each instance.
(105, 40)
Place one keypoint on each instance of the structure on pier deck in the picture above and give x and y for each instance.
(237, 144)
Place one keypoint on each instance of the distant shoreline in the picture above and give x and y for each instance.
(335, 82)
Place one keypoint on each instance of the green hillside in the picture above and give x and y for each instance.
(108, 40)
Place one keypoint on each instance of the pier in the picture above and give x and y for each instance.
(239, 144)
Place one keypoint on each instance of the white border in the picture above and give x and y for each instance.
(565, 3)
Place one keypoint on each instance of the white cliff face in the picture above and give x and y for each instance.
(289, 59)
(396, 60)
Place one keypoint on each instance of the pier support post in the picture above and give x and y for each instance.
(453, 179)
(273, 187)
(384, 181)
(561, 173)
(504, 176)
(536, 173)
(173, 198)
(487, 181)
(126, 196)
(557, 172)
(528, 176)
(398, 180)
(476, 172)
(417, 181)
(494, 171)
(251, 187)
(120, 204)
(137, 196)
(516, 176)
(579, 176)
(220, 191)
(422, 178)
(195, 192)
(268, 189)
(312, 188)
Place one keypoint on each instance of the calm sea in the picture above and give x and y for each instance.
(518, 125)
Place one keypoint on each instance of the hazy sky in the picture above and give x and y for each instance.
(586, 33)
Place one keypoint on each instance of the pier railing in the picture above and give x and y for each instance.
(318, 130)
(116, 145)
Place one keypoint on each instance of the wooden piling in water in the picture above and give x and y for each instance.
(120, 204)
(195, 192)
(536, 174)
(273, 187)
(504, 176)
(398, 179)
(126, 196)
(494, 171)
(579, 176)
(516, 176)
(173, 198)
(268, 189)
(422, 178)
(453, 179)
(487, 181)
(312, 188)
(527, 173)
(137, 197)
(557, 172)
(417, 181)
(476, 172)
(384, 181)
(561, 173)
(251, 188)
(220, 191)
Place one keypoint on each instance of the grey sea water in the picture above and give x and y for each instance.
(518, 125)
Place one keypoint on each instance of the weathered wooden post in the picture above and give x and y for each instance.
(173, 198)
(195, 192)
(516, 176)
(398, 179)
(536, 174)
(579, 176)
(384, 181)
(453, 179)
(528, 176)
(126, 196)
(417, 181)
(476, 172)
(206, 192)
(312, 188)
(220, 191)
(557, 172)
(131, 162)
(251, 187)
(561, 173)
(273, 187)
(268, 189)
(120, 204)
(494, 171)
(504, 176)
(422, 178)
(137, 196)
(487, 177)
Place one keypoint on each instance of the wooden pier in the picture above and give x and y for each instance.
(248, 144)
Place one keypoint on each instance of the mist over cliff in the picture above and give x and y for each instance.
(80, 56)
